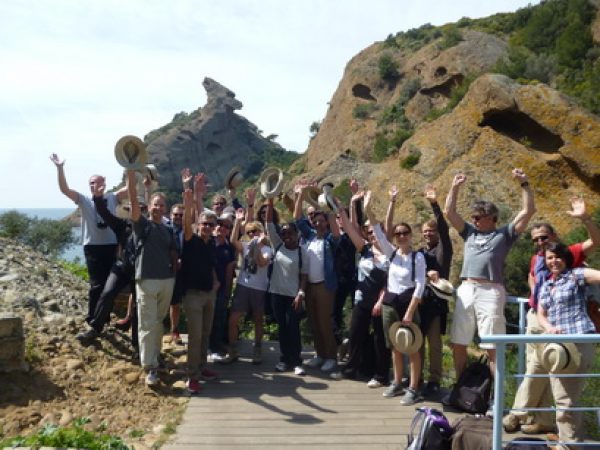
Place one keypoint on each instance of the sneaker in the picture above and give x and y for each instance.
(374, 383)
(193, 386)
(176, 339)
(257, 354)
(281, 367)
(490, 411)
(208, 375)
(216, 357)
(87, 336)
(393, 390)
(336, 375)
(314, 362)
(511, 423)
(431, 389)
(299, 370)
(410, 397)
(230, 357)
(329, 365)
(152, 378)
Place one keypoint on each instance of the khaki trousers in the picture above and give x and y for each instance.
(434, 344)
(199, 307)
(319, 306)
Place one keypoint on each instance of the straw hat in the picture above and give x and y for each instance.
(151, 172)
(561, 358)
(312, 196)
(130, 152)
(442, 288)
(271, 182)
(406, 338)
(234, 178)
(326, 200)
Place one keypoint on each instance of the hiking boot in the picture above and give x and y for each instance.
(511, 423)
(257, 354)
(87, 336)
(393, 390)
(152, 378)
(410, 397)
(317, 361)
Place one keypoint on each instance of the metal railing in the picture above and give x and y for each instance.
(500, 341)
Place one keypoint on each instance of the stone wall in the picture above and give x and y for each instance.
(12, 344)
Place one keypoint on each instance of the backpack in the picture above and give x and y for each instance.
(472, 391)
(472, 433)
(429, 430)
(532, 444)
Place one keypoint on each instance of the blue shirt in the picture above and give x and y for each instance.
(563, 298)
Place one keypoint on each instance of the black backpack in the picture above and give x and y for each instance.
(472, 391)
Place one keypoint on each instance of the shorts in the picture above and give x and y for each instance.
(391, 314)
(479, 307)
(247, 299)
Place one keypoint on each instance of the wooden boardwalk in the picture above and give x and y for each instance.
(254, 407)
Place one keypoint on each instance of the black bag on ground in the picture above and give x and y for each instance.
(472, 433)
(429, 430)
(532, 444)
(472, 391)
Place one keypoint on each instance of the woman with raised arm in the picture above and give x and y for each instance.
(366, 312)
(287, 287)
(405, 285)
(562, 310)
(252, 284)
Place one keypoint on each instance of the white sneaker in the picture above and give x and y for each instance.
(152, 378)
(329, 365)
(299, 370)
(337, 375)
(314, 362)
(374, 384)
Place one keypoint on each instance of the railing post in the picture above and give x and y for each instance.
(499, 395)
(521, 345)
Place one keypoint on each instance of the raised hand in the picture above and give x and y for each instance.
(353, 186)
(56, 160)
(519, 175)
(186, 177)
(240, 214)
(459, 178)
(430, 193)
(393, 192)
(98, 189)
(200, 184)
(250, 196)
(577, 208)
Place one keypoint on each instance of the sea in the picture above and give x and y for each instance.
(73, 252)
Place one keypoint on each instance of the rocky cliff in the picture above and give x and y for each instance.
(212, 139)
(411, 126)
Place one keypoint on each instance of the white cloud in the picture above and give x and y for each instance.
(78, 75)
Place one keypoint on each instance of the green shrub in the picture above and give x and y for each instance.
(76, 269)
(451, 36)
(14, 225)
(314, 127)
(390, 41)
(342, 191)
(382, 148)
(388, 68)
(411, 160)
(363, 110)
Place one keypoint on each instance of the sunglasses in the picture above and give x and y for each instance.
(477, 217)
(177, 214)
(402, 233)
(251, 231)
(539, 238)
(207, 224)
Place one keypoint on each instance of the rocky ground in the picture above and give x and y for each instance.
(65, 380)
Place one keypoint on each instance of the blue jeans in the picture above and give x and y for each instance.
(289, 329)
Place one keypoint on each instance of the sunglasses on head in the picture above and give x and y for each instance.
(539, 238)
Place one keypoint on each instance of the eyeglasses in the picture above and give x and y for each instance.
(402, 233)
(207, 224)
(539, 238)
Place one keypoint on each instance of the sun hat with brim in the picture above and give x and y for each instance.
(312, 196)
(405, 338)
(325, 199)
(561, 358)
(442, 288)
(271, 182)
(130, 152)
(151, 172)
(234, 178)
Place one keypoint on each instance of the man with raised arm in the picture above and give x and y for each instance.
(99, 241)
(481, 297)
(154, 275)
(536, 392)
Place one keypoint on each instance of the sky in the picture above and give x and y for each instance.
(76, 75)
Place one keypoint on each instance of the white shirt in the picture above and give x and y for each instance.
(315, 261)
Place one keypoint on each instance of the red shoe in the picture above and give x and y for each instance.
(208, 375)
(123, 324)
(193, 386)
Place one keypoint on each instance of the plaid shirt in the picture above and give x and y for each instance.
(564, 301)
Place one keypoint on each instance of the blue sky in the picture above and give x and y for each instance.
(76, 75)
